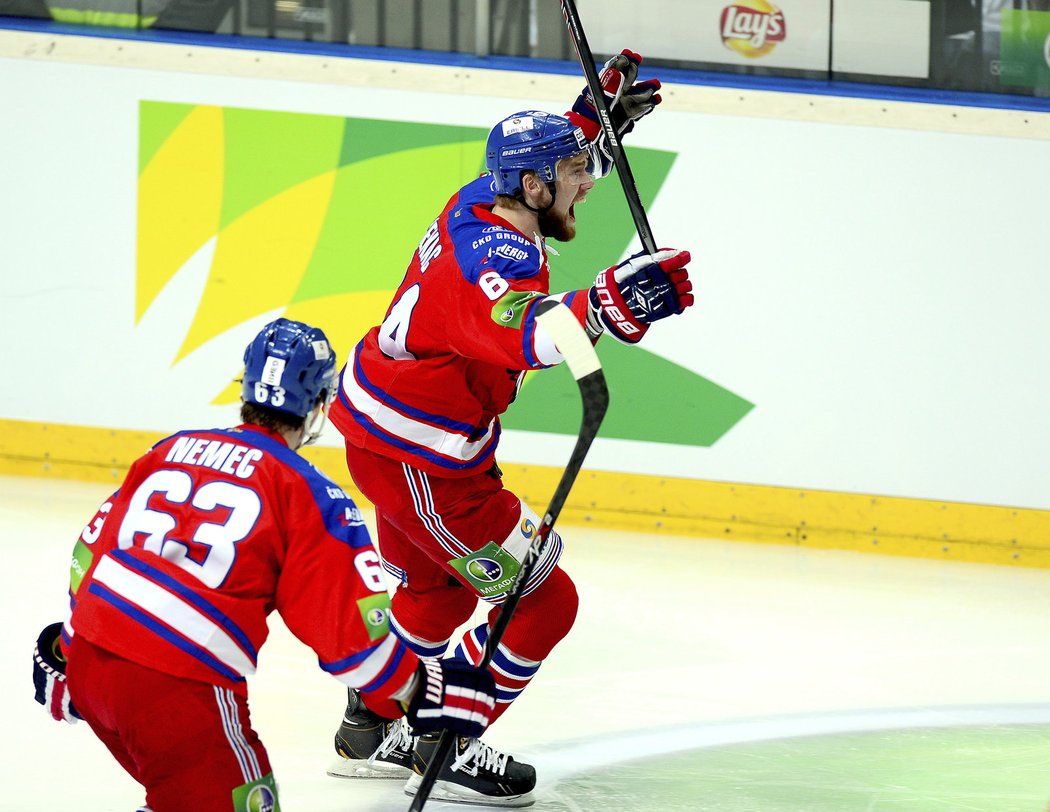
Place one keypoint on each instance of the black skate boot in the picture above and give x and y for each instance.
(477, 774)
(370, 746)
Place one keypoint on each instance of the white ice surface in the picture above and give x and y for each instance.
(679, 643)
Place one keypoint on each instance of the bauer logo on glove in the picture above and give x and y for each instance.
(629, 297)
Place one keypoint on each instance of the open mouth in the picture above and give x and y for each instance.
(581, 197)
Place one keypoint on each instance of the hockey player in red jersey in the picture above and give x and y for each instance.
(172, 582)
(419, 405)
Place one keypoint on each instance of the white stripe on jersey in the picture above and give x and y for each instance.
(231, 726)
(448, 444)
(542, 343)
(372, 666)
(422, 648)
(175, 612)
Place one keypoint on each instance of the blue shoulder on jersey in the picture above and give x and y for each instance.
(481, 246)
(342, 518)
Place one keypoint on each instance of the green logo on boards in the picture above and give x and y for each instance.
(1024, 49)
(258, 796)
(490, 570)
(284, 225)
(375, 611)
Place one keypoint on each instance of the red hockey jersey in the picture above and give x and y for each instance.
(427, 386)
(211, 531)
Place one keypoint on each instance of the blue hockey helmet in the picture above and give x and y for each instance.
(289, 367)
(533, 140)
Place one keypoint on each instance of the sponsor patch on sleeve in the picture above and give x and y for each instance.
(374, 614)
(257, 796)
(79, 565)
(509, 310)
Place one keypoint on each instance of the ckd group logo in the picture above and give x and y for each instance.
(752, 28)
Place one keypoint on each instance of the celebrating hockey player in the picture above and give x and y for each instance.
(419, 405)
(173, 579)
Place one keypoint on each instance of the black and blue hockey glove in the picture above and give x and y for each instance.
(49, 676)
(452, 695)
(629, 297)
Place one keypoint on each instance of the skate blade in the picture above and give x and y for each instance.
(454, 793)
(346, 768)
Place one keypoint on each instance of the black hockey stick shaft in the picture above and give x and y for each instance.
(582, 361)
(594, 384)
(601, 104)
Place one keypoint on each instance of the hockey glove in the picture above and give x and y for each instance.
(453, 695)
(628, 101)
(49, 676)
(629, 297)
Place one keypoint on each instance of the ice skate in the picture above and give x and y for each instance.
(477, 774)
(370, 746)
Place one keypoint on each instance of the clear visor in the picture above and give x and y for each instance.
(583, 167)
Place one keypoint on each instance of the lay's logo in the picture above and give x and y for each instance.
(752, 28)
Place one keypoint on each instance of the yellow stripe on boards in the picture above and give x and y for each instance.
(820, 519)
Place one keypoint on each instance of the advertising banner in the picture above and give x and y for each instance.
(1025, 49)
(790, 34)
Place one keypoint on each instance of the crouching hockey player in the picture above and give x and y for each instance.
(419, 405)
(174, 577)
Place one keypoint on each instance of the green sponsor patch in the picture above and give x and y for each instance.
(79, 565)
(490, 570)
(258, 796)
(508, 311)
(1024, 48)
(375, 611)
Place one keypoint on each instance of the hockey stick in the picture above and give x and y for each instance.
(619, 157)
(559, 323)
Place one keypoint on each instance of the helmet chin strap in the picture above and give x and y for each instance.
(314, 425)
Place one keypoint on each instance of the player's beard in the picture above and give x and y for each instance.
(556, 226)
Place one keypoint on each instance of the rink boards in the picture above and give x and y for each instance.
(857, 373)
